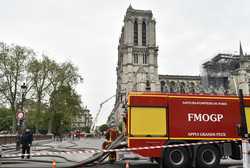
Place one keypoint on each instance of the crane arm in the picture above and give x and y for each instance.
(92, 129)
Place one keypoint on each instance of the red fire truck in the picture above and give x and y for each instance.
(156, 119)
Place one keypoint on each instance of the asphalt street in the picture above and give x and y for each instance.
(67, 159)
(147, 164)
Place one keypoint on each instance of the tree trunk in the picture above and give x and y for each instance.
(38, 114)
(51, 119)
(50, 126)
(13, 110)
(50, 122)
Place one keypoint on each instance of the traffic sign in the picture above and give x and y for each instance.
(20, 115)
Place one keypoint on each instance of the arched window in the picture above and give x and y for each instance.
(145, 58)
(135, 33)
(135, 58)
(144, 34)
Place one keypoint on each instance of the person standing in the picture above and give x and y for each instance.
(110, 136)
(26, 141)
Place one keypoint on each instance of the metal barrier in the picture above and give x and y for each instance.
(245, 143)
(116, 150)
(8, 139)
(245, 153)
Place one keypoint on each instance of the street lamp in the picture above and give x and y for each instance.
(23, 91)
(20, 117)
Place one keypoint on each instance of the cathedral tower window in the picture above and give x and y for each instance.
(135, 58)
(145, 58)
(144, 34)
(135, 33)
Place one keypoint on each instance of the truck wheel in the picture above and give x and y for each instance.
(208, 156)
(176, 158)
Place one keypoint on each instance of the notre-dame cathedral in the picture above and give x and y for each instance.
(137, 68)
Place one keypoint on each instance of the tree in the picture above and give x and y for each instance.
(13, 62)
(38, 72)
(65, 74)
(45, 79)
(5, 119)
(66, 105)
(31, 117)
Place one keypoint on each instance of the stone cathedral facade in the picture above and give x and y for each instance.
(137, 68)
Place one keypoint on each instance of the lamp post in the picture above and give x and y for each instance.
(23, 91)
(20, 117)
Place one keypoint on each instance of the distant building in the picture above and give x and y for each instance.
(83, 121)
(228, 73)
(137, 68)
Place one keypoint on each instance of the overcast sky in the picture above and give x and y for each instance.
(86, 32)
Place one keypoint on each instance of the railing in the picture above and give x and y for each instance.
(8, 139)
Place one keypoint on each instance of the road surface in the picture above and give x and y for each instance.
(73, 158)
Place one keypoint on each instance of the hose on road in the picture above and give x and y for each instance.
(99, 157)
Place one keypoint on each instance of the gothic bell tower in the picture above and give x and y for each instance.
(137, 68)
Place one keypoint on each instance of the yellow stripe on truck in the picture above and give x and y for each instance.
(247, 114)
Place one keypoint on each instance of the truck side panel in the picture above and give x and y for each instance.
(203, 118)
(147, 142)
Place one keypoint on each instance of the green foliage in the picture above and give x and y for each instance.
(5, 119)
(63, 78)
(32, 120)
(39, 71)
(66, 105)
(13, 62)
(87, 129)
(51, 99)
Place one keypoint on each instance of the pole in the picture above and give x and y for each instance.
(246, 159)
(20, 122)
(18, 137)
(23, 121)
(235, 86)
(23, 90)
(244, 132)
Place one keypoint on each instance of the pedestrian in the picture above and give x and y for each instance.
(78, 134)
(26, 141)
